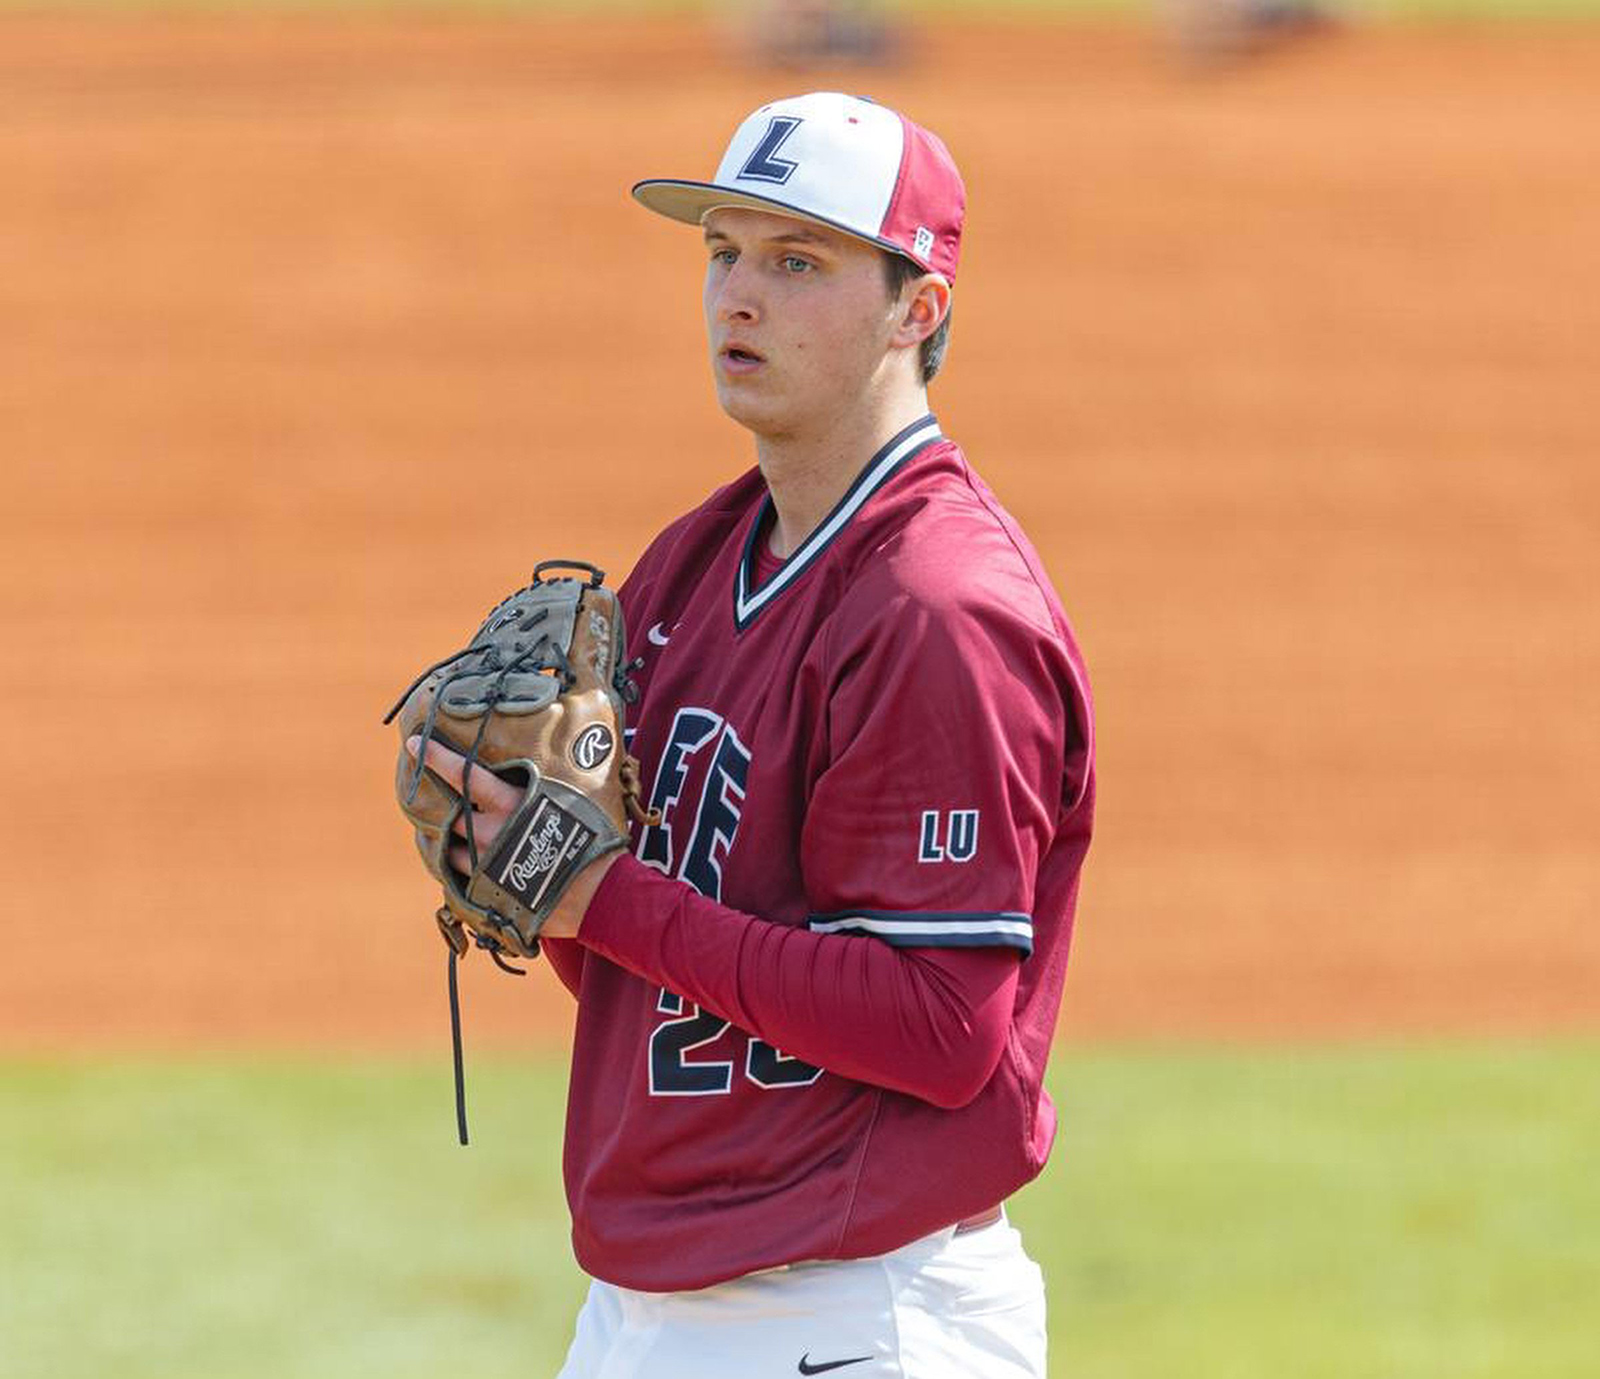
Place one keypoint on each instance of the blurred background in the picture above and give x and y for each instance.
(1277, 330)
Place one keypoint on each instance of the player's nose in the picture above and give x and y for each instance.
(733, 296)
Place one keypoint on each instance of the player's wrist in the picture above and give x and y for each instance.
(567, 918)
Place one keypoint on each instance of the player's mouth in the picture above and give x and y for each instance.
(739, 359)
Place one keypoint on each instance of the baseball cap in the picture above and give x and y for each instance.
(842, 161)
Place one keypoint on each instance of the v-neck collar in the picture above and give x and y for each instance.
(749, 598)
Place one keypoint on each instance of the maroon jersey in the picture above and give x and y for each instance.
(879, 748)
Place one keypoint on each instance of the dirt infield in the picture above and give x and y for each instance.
(320, 332)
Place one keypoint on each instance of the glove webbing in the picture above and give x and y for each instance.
(532, 621)
(558, 662)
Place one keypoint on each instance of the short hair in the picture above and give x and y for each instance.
(898, 271)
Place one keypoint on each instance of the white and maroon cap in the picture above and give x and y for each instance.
(842, 161)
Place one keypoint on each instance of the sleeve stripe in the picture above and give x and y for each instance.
(931, 929)
(878, 925)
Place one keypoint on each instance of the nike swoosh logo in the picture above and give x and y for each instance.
(657, 636)
(806, 1367)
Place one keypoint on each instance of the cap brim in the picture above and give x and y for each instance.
(691, 201)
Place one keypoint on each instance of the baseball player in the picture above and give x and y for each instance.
(815, 999)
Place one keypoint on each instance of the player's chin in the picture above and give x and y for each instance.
(748, 406)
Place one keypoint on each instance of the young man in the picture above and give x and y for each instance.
(815, 1001)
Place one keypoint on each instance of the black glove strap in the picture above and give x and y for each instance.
(455, 1023)
(455, 1046)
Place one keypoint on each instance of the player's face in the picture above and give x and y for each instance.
(800, 321)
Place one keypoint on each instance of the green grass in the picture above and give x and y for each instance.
(212, 1220)
(1390, 1213)
(1373, 1214)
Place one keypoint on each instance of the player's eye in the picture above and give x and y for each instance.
(723, 256)
(793, 263)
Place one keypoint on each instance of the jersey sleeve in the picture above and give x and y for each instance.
(565, 957)
(944, 767)
(931, 1024)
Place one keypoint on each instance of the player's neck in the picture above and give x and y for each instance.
(808, 472)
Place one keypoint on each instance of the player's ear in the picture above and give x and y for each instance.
(924, 304)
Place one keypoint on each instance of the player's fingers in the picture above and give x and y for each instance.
(486, 826)
(461, 858)
(488, 791)
(439, 759)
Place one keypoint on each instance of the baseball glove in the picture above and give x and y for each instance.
(537, 697)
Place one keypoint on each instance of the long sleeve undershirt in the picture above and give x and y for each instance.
(930, 1022)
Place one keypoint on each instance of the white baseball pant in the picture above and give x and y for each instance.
(966, 1305)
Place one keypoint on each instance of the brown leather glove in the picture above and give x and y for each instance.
(538, 697)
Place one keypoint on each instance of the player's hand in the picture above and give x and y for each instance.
(493, 803)
(493, 800)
